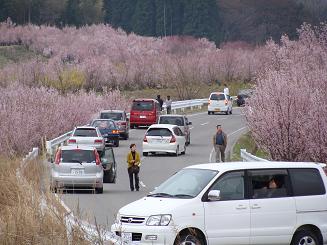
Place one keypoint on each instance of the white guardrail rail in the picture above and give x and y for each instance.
(248, 157)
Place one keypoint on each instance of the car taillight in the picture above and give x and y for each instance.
(226, 102)
(97, 158)
(173, 139)
(72, 141)
(115, 131)
(98, 141)
(145, 139)
(58, 156)
(209, 102)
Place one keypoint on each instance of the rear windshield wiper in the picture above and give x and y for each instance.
(73, 160)
(160, 194)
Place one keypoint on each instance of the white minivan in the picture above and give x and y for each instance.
(232, 203)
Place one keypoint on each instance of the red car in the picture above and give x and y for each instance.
(144, 112)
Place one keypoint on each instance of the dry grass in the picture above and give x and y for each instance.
(23, 218)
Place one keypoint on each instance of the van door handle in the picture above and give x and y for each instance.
(255, 206)
(239, 207)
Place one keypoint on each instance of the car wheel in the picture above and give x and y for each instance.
(126, 136)
(99, 190)
(183, 152)
(112, 175)
(227, 112)
(145, 154)
(209, 112)
(189, 140)
(306, 237)
(117, 143)
(188, 239)
(231, 111)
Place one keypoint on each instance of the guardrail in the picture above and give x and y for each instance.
(248, 157)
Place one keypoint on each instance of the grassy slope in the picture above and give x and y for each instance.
(247, 142)
(14, 54)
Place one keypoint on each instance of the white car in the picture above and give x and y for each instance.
(87, 135)
(164, 138)
(220, 102)
(232, 203)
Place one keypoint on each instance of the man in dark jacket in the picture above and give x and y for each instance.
(160, 101)
(219, 143)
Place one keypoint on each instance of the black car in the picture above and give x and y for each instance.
(108, 129)
(121, 120)
(109, 165)
(240, 100)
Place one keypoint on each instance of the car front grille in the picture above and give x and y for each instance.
(132, 220)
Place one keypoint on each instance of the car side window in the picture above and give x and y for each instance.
(269, 183)
(306, 182)
(231, 186)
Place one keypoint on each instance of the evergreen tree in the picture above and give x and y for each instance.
(91, 11)
(144, 22)
(71, 15)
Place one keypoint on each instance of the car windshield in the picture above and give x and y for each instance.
(77, 155)
(217, 97)
(142, 105)
(117, 116)
(104, 124)
(158, 132)
(85, 132)
(179, 121)
(187, 183)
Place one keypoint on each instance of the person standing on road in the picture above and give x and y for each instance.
(219, 144)
(168, 103)
(134, 162)
(226, 89)
(160, 101)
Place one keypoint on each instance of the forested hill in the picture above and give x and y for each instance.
(219, 20)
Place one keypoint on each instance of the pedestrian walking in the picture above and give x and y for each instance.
(160, 101)
(226, 89)
(168, 103)
(134, 162)
(219, 144)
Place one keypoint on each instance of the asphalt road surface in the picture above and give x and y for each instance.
(102, 208)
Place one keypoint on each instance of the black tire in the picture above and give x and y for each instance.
(209, 112)
(183, 152)
(145, 154)
(132, 126)
(126, 136)
(305, 237)
(227, 112)
(117, 143)
(189, 140)
(188, 239)
(99, 190)
(231, 111)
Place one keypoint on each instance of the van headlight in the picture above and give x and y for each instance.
(159, 220)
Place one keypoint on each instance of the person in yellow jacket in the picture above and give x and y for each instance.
(134, 162)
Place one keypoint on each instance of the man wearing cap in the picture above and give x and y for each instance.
(220, 143)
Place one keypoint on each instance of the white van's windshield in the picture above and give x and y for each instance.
(187, 183)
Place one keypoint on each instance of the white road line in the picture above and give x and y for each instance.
(228, 135)
(202, 124)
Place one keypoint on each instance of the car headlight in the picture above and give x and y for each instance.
(159, 220)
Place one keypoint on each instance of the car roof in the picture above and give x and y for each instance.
(228, 166)
(102, 119)
(85, 127)
(172, 115)
(217, 93)
(145, 99)
(74, 147)
(169, 126)
(117, 111)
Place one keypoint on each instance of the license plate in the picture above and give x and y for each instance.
(142, 116)
(126, 237)
(217, 109)
(77, 171)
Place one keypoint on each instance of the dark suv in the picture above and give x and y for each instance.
(121, 120)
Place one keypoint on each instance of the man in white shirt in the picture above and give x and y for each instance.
(226, 90)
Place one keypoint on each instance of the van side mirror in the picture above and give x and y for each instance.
(214, 195)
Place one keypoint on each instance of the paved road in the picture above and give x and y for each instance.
(154, 169)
